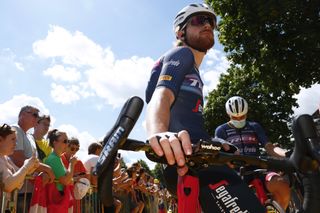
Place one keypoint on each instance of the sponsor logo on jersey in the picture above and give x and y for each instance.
(198, 107)
(225, 201)
(165, 78)
(173, 63)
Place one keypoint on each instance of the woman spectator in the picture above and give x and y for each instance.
(59, 141)
(12, 176)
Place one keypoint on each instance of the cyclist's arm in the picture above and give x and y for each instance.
(162, 141)
(158, 112)
(274, 150)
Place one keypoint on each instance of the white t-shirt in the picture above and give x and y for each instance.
(90, 162)
(25, 142)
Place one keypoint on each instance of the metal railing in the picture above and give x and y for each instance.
(8, 201)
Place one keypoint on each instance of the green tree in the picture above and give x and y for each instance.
(145, 166)
(281, 39)
(158, 173)
(273, 47)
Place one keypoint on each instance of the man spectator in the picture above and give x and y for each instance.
(94, 151)
(40, 130)
(25, 147)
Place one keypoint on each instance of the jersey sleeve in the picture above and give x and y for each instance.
(261, 134)
(220, 132)
(175, 66)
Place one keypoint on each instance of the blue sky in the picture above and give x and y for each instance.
(79, 60)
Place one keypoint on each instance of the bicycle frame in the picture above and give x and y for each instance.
(305, 158)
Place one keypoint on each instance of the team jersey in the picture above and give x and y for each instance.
(176, 71)
(248, 139)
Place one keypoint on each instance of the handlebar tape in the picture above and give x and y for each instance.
(114, 139)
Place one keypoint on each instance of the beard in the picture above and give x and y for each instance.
(200, 42)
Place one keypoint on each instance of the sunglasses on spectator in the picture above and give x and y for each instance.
(201, 20)
(5, 127)
(35, 114)
(74, 149)
(65, 141)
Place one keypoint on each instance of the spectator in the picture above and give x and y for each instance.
(25, 147)
(12, 176)
(40, 130)
(136, 206)
(79, 170)
(58, 141)
(72, 149)
(90, 162)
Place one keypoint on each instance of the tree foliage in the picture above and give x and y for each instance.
(281, 39)
(273, 47)
(158, 173)
(145, 166)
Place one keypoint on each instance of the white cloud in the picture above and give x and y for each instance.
(19, 66)
(9, 110)
(216, 63)
(308, 100)
(84, 138)
(7, 56)
(64, 94)
(102, 74)
(59, 72)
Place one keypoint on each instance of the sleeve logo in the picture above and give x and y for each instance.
(165, 78)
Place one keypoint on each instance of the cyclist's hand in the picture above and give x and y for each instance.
(174, 146)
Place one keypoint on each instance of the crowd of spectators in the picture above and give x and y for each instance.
(51, 156)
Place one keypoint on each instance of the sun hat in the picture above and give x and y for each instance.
(81, 188)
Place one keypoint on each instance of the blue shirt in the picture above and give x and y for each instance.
(176, 71)
(248, 139)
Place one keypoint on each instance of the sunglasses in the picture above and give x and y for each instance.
(74, 149)
(201, 20)
(5, 127)
(34, 114)
(65, 141)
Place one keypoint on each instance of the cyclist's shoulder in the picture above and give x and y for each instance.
(254, 125)
(221, 128)
(181, 53)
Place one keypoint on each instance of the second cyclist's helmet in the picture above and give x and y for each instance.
(236, 106)
(191, 10)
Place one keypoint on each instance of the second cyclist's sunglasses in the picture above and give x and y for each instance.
(201, 20)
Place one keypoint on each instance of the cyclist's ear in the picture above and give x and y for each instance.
(180, 35)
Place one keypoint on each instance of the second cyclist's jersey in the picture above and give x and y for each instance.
(248, 139)
(176, 71)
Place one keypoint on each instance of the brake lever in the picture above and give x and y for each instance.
(203, 153)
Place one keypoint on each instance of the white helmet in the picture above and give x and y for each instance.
(236, 106)
(191, 10)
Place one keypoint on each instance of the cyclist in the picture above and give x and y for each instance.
(175, 103)
(248, 136)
